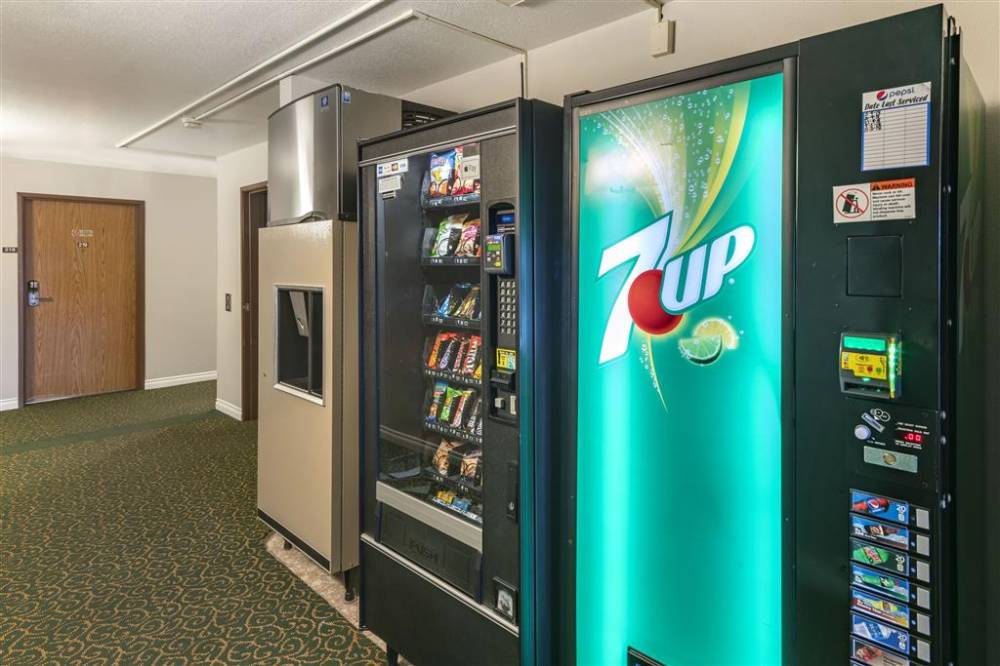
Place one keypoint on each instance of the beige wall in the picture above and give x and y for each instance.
(706, 31)
(180, 259)
(235, 170)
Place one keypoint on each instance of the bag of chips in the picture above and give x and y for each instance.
(468, 243)
(469, 467)
(442, 171)
(449, 233)
(442, 457)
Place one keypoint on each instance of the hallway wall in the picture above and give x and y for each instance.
(180, 262)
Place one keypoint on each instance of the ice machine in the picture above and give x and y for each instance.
(307, 473)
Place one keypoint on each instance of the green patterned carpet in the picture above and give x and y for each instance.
(128, 535)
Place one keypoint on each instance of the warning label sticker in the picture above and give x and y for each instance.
(875, 202)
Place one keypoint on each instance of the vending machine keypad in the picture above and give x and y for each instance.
(507, 307)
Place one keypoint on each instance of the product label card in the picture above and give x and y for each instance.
(895, 127)
(875, 202)
(873, 655)
(891, 535)
(469, 169)
(883, 582)
(393, 167)
(880, 634)
(883, 609)
(878, 557)
(389, 184)
(878, 506)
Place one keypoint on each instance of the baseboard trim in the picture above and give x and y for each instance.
(8, 404)
(229, 409)
(177, 380)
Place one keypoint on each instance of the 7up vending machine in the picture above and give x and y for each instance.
(773, 415)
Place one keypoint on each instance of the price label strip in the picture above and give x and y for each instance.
(887, 559)
(890, 612)
(890, 585)
(890, 535)
(890, 637)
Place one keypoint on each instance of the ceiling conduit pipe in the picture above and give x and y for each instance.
(297, 46)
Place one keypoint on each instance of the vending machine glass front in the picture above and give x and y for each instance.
(678, 205)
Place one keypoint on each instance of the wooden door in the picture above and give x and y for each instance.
(83, 337)
(254, 215)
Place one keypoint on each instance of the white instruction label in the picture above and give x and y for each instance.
(875, 202)
(895, 127)
(393, 167)
(389, 184)
(469, 167)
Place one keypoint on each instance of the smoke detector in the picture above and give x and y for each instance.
(191, 123)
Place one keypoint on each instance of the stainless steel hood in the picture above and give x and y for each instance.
(312, 152)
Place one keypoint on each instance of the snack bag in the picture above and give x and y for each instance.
(469, 308)
(459, 410)
(456, 367)
(468, 243)
(448, 235)
(448, 351)
(442, 172)
(477, 408)
(441, 459)
(466, 169)
(436, 399)
(471, 356)
(445, 496)
(436, 349)
(453, 301)
(469, 467)
(451, 395)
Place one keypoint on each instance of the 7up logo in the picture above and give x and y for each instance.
(660, 288)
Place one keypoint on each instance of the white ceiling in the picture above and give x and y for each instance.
(78, 77)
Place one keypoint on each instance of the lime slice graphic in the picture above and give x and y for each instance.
(720, 327)
(701, 350)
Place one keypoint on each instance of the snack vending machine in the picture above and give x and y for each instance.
(773, 423)
(458, 302)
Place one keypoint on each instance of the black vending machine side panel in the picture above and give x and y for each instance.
(873, 288)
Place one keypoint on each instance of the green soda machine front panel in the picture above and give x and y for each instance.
(679, 444)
